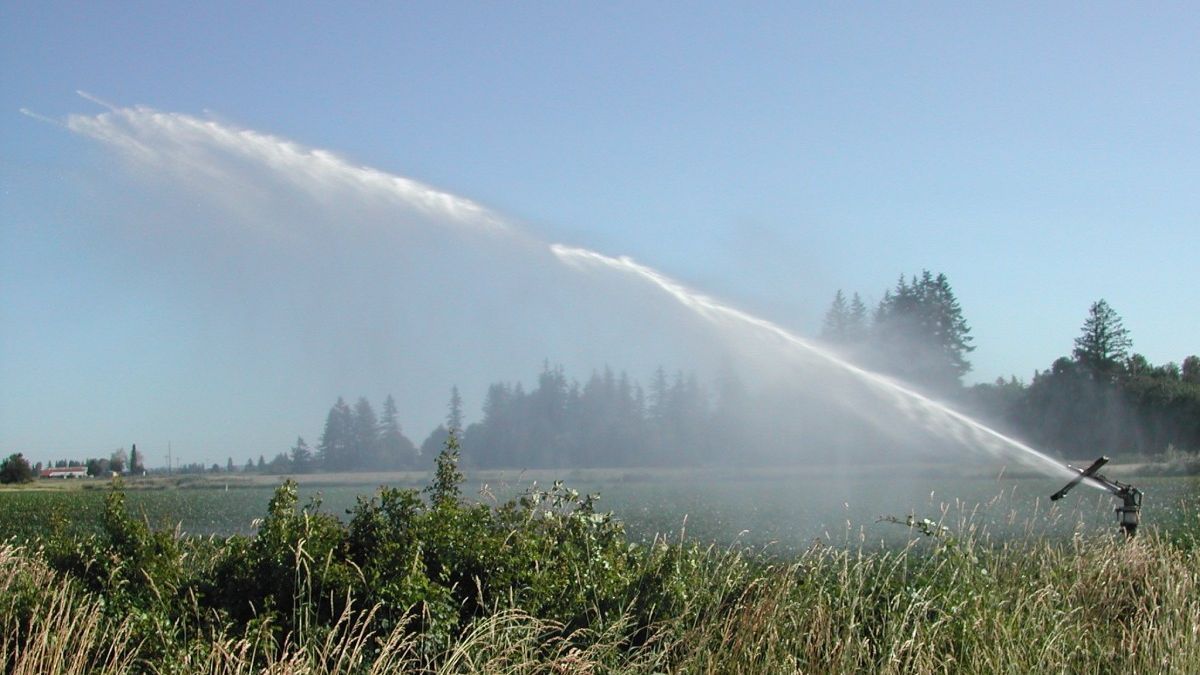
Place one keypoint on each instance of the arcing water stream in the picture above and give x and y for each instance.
(190, 146)
(918, 406)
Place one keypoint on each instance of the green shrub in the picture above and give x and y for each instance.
(15, 469)
(547, 583)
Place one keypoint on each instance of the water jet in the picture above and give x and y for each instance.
(221, 161)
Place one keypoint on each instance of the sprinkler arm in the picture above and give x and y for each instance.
(1089, 472)
(1131, 498)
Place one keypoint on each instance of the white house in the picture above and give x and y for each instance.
(65, 472)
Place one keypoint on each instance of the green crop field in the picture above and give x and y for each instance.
(784, 510)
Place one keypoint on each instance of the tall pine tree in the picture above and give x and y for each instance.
(301, 456)
(1104, 344)
(920, 334)
(364, 427)
(334, 448)
(396, 451)
(837, 320)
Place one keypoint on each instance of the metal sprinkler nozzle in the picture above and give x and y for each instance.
(1128, 513)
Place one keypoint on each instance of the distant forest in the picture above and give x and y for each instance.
(1102, 397)
(610, 420)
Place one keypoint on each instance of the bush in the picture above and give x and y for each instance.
(16, 469)
(546, 583)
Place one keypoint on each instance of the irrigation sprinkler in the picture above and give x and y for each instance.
(1130, 510)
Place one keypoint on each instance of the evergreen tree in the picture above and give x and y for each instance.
(837, 320)
(920, 333)
(548, 410)
(658, 397)
(334, 449)
(454, 418)
(495, 441)
(1104, 343)
(364, 434)
(857, 329)
(396, 451)
(136, 462)
(595, 416)
(280, 464)
(301, 456)
(435, 441)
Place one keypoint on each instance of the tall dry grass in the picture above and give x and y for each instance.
(49, 626)
(940, 605)
(1088, 605)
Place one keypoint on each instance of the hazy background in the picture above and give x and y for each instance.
(1041, 158)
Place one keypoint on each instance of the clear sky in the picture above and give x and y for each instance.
(1043, 156)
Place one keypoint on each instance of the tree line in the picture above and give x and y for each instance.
(609, 420)
(917, 332)
(1101, 398)
(17, 469)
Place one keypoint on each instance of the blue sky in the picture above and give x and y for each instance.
(1041, 156)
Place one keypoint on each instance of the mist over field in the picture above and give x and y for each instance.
(301, 267)
(598, 338)
(297, 269)
(296, 266)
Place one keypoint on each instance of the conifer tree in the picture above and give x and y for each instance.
(364, 436)
(837, 320)
(454, 418)
(856, 322)
(301, 456)
(920, 333)
(395, 449)
(1104, 343)
(334, 449)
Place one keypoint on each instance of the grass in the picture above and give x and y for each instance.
(1086, 605)
(940, 604)
(547, 585)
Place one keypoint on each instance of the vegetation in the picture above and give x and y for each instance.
(1102, 398)
(16, 469)
(917, 333)
(608, 421)
(546, 583)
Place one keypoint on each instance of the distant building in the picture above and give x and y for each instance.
(65, 472)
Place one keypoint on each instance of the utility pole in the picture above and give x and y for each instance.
(168, 458)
